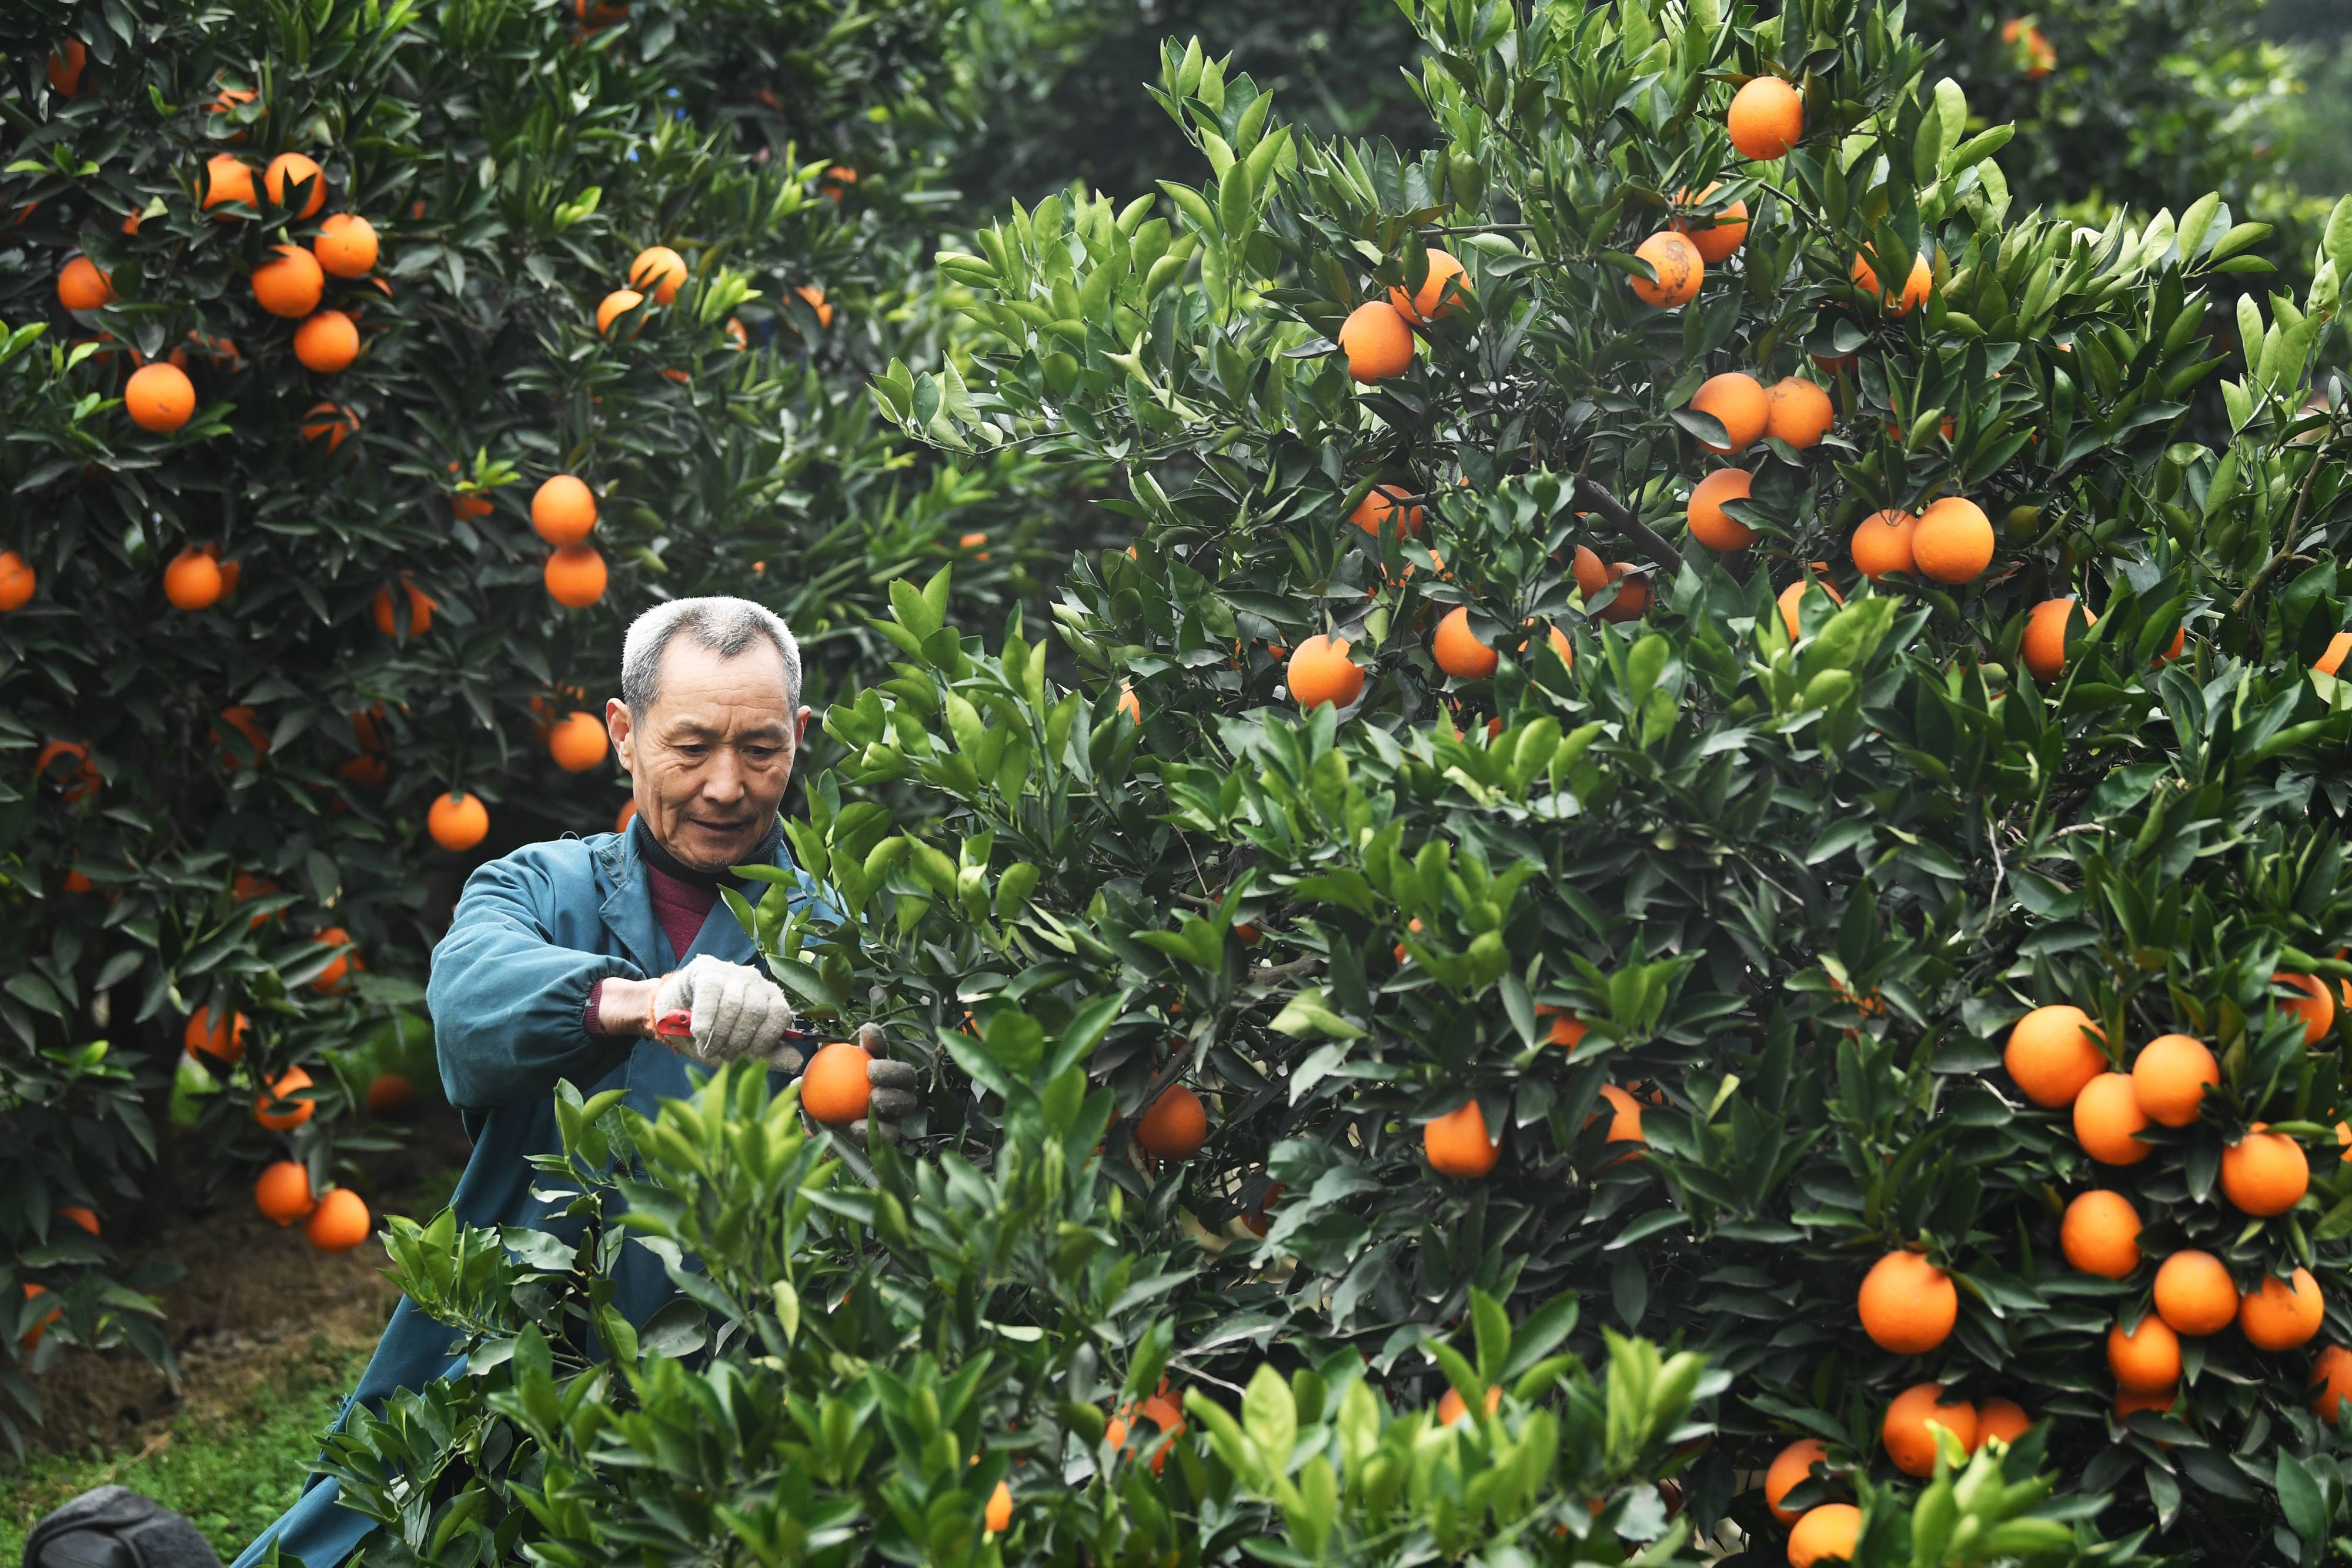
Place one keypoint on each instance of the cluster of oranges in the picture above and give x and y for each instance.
(2038, 59)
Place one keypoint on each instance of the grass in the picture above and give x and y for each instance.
(232, 1472)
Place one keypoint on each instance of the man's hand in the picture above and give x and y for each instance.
(738, 1013)
(894, 1084)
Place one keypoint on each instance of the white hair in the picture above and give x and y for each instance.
(725, 626)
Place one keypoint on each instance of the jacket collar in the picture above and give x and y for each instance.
(628, 909)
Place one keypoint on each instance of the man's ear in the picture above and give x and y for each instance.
(801, 735)
(618, 725)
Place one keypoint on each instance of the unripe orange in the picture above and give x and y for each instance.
(1377, 343)
(457, 821)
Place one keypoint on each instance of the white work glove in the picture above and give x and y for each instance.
(738, 1013)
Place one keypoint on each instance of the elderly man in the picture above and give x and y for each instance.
(562, 958)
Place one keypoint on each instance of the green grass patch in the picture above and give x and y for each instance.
(232, 1472)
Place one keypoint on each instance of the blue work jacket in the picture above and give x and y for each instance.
(532, 933)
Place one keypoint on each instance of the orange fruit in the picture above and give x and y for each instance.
(836, 1087)
(2001, 1420)
(2331, 1381)
(331, 978)
(290, 283)
(2279, 1315)
(1567, 1028)
(159, 398)
(738, 338)
(1320, 672)
(1458, 651)
(621, 821)
(65, 66)
(2264, 1173)
(82, 782)
(1790, 1468)
(1915, 288)
(346, 245)
(1457, 1144)
(289, 169)
(331, 420)
(1908, 1304)
(1767, 118)
(2108, 1119)
(420, 610)
(1377, 343)
(2146, 1359)
(1679, 266)
(282, 1193)
(1174, 1126)
(1433, 300)
(2193, 1293)
(327, 342)
(1381, 503)
(388, 1094)
(615, 305)
(2043, 645)
(2332, 659)
(1792, 598)
(659, 271)
(367, 770)
(1797, 412)
(242, 720)
(1711, 524)
(1831, 1531)
(33, 1335)
(1557, 641)
(17, 581)
(1953, 540)
(85, 1218)
(1737, 401)
(1450, 1406)
(1723, 233)
(1882, 544)
(1624, 1121)
(998, 1515)
(2052, 1057)
(564, 511)
(82, 287)
(575, 577)
(223, 1040)
(458, 820)
(276, 1109)
(2100, 1234)
(2129, 1402)
(1129, 703)
(2170, 1077)
(340, 1223)
(1633, 586)
(1907, 1430)
(226, 179)
(193, 581)
(577, 742)
(2315, 1007)
(813, 297)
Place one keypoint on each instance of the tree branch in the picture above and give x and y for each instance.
(1618, 517)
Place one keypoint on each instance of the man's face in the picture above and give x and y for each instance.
(709, 764)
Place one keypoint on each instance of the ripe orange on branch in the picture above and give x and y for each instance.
(82, 286)
(327, 342)
(2281, 1314)
(290, 283)
(282, 1193)
(1908, 1429)
(1383, 502)
(159, 398)
(1433, 300)
(193, 581)
(420, 610)
(614, 306)
(1881, 545)
(275, 1107)
(457, 821)
(346, 245)
(224, 1041)
(1592, 578)
(1377, 343)
(1908, 1304)
(1915, 288)
(329, 421)
(289, 169)
(1457, 649)
(564, 511)
(226, 179)
(575, 577)
(836, 1087)
(340, 1223)
(1711, 524)
(2107, 1120)
(1953, 541)
(2170, 1077)
(1320, 672)
(2315, 1007)
(659, 271)
(2100, 1234)
(1792, 598)
(2050, 1056)
(1679, 266)
(1717, 238)
(1831, 1531)
(2264, 1173)
(17, 581)
(1767, 118)
(577, 742)
(1797, 412)
(1457, 1144)
(2193, 1293)
(1737, 401)
(1790, 1469)
(2146, 1359)
(1174, 1126)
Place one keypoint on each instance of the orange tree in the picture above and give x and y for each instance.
(338, 459)
(1912, 676)
(1678, 725)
